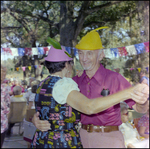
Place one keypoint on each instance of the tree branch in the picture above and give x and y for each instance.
(96, 8)
(10, 27)
(94, 23)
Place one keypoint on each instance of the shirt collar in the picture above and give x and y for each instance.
(98, 76)
(18, 95)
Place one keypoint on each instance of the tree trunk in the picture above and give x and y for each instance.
(66, 26)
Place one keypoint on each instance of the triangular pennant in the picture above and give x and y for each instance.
(146, 69)
(35, 66)
(131, 68)
(139, 69)
(39, 66)
(29, 68)
(17, 68)
(24, 68)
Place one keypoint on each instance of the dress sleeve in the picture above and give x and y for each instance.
(32, 97)
(62, 88)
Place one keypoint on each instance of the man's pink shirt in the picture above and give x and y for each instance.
(92, 88)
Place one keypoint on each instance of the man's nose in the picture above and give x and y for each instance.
(84, 57)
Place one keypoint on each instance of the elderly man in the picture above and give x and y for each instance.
(17, 97)
(98, 130)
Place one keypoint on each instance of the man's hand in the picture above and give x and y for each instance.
(42, 125)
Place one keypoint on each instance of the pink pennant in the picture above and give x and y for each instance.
(39, 66)
(122, 51)
(23, 68)
(131, 68)
(28, 51)
(45, 50)
(146, 46)
(7, 50)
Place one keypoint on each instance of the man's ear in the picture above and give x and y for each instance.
(101, 56)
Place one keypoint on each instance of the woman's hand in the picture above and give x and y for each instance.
(42, 125)
(79, 73)
(139, 93)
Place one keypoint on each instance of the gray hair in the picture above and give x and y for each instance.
(17, 90)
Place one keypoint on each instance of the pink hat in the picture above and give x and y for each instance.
(57, 55)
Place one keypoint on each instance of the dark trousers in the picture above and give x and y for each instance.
(2, 137)
(10, 125)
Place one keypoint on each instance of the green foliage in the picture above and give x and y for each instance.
(54, 43)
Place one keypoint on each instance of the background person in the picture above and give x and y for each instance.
(5, 104)
(31, 105)
(34, 85)
(17, 97)
(29, 92)
(131, 136)
(17, 82)
(143, 77)
(143, 125)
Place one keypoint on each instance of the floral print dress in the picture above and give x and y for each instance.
(5, 106)
(63, 119)
(144, 122)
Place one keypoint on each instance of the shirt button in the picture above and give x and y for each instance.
(88, 83)
(88, 91)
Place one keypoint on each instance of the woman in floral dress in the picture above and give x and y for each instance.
(5, 104)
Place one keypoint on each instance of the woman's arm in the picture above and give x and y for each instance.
(142, 132)
(30, 104)
(91, 106)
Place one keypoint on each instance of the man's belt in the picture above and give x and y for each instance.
(93, 128)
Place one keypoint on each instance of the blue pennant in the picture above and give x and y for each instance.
(140, 48)
(21, 51)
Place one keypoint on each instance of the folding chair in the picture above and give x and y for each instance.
(17, 113)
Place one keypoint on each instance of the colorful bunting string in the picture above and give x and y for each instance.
(112, 52)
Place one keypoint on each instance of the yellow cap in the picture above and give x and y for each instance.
(91, 41)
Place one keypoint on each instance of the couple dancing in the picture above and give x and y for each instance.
(60, 99)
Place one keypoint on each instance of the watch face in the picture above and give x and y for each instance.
(105, 92)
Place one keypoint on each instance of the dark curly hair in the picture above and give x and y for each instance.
(55, 66)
